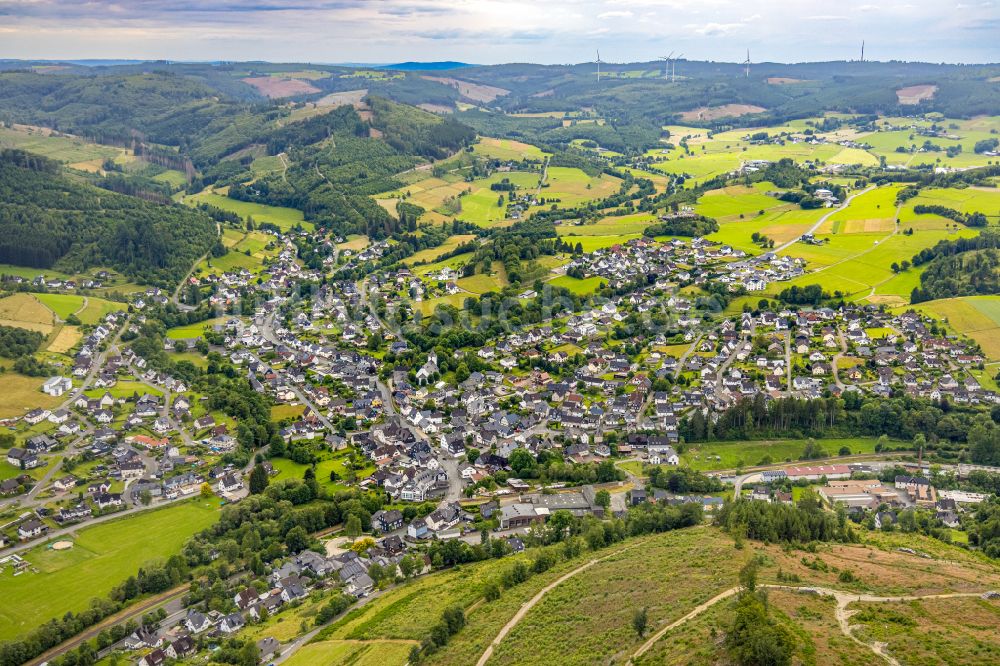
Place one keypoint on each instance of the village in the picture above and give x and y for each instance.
(609, 391)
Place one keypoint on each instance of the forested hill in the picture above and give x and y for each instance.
(49, 221)
(338, 162)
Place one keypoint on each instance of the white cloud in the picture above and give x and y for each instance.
(715, 29)
(490, 30)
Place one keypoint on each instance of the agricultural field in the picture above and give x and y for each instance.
(283, 218)
(23, 310)
(507, 149)
(22, 393)
(611, 225)
(102, 557)
(247, 250)
(89, 309)
(977, 317)
(451, 197)
(983, 200)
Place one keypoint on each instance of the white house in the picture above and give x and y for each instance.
(56, 386)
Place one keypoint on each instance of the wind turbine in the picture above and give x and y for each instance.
(598, 65)
(666, 67)
(673, 69)
(747, 63)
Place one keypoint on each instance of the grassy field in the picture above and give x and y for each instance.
(912, 630)
(67, 149)
(577, 286)
(279, 412)
(432, 253)
(623, 224)
(102, 557)
(355, 243)
(702, 456)
(283, 218)
(356, 653)
(329, 462)
(507, 149)
(89, 309)
(586, 619)
(22, 393)
(480, 283)
(193, 330)
(25, 311)
(247, 250)
(975, 316)
(450, 196)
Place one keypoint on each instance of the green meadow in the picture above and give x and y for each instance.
(102, 557)
(283, 218)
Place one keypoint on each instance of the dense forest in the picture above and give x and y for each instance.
(16, 342)
(963, 274)
(206, 111)
(49, 221)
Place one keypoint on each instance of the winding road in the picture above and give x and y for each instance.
(813, 228)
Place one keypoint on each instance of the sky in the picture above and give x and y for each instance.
(499, 31)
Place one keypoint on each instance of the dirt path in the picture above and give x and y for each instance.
(528, 605)
(284, 166)
(698, 610)
(843, 615)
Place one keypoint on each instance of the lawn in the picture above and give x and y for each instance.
(355, 243)
(577, 286)
(283, 218)
(702, 456)
(102, 557)
(280, 412)
(193, 330)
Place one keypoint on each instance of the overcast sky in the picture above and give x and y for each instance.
(495, 31)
